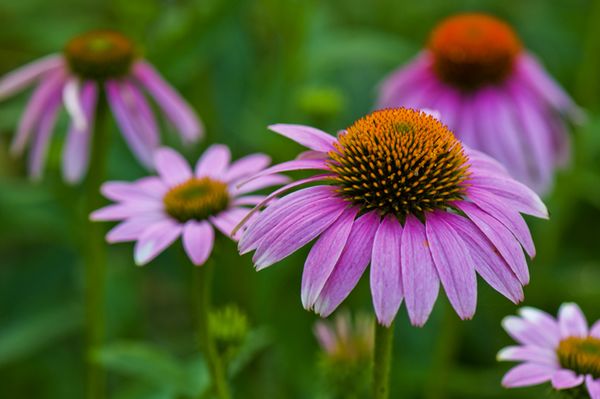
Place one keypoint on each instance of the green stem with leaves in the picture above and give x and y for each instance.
(202, 281)
(384, 338)
(95, 254)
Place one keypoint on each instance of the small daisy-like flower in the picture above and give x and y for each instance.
(92, 66)
(156, 210)
(562, 351)
(399, 191)
(492, 93)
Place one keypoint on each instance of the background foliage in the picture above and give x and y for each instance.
(244, 65)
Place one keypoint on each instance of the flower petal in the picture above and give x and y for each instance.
(198, 240)
(386, 272)
(132, 229)
(572, 322)
(17, 80)
(595, 330)
(324, 255)
(533, 354)
(419, 276)
(566, 379)
(527, 333)
(593, 387)
(213, 162)
(527, 374)
(41, 142)
(155, 240)
(72, 101)
(171, 166)
(299, 164)
(246, 166)
(125, 211)
(307, 136)
(454, 265)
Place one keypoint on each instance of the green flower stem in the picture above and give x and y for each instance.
(384, 338)
(202, 280)
(94, 249)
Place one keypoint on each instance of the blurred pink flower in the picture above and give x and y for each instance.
(94, 65)
(492, 93)
(399, 191)
(155, 211)
(345, 340)
(564, 351)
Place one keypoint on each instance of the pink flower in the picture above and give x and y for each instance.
(397, 190)
(563, 351)
(93, 66)
(492, 93)
(155, 211)
(346, 341)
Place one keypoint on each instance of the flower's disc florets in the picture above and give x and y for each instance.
(196, 199)
(473, 50)
(399, 161)
(582, 355)
(100, 55)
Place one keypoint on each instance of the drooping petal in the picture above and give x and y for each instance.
(246, 166)
(307, 136)
(419, 276)
(176, 108)
(19, 79)
(324, 255)
(386, 272)
(454, 265)
(41, 142)
(566, 379)
(155, 240)
(198, 240)
(141, 113)
(593, 387)
(350, 266)
(533, 354)
(171, 166)
(73, 105)
(76, 152)
(571, 321)
(527, 374)
(213, 162)
(132, 229)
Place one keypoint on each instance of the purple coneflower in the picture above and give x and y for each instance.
(94, 65)
(492, 93)
(400, 192)
(156, 210)
(563, 351)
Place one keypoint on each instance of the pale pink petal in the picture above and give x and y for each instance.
(248, 200)
(141, 113)
(324, 255)
(213, 162)
(132, 229)
(325, 336)
(544, 322)
(386, 272)
(246, 166)
(595, 330)
(483, 164)
(307, 136)
(397, 83)
(593, 387)
(350, 266)
(527, 374)
(73, 105)
(198, 240)
(41, 142)
(226, 221)
(571, 321)
(260, 183)
(125, 191)
(19, 79)
(533, 354)
(171, 166)
(419, 276)
(125, 211)
(528, 333)
(566, 379)
(155, 240)
(454, 265)
(302, 164)
(153, 186)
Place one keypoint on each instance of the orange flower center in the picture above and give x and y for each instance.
(100, 55)
(473, 50)
(196, 199)
(399, 161)
(582, 355)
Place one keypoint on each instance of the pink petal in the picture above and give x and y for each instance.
(528, 333)
(132, 229)
(571, 321)
(260, 183)
(527, 374)
(246, 166)
(593, 387)
(484, 164)
(544, 322)
(397, 82)
(307, 136)
(454, 265)
(386, 272)
(248, 200)
(124, 191)
(226, 221)
(302, 164)
(595, 330)
(324, 255)
(171, 166)
(198, 240)
(533, 354)
(177, 110)
(72, 101)
(566, 379)
(155, 240)
(213, 162)
(17, 80)
(125, 211)
(350, 266)
(419, 276)
(39, 149)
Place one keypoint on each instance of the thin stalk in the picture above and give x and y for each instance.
(95, 254)
(384, 338)
(202, 281)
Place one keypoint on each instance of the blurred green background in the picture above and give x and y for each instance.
(244, 65)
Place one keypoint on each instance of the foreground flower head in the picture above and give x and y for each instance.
(563, 351)
(155, 211)
(94, 65)
(399, 191)
(492, 93)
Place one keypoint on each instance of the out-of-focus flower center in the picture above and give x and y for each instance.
(473, 50)
(582, 355)
(196, 199)
(399, 161)
(100, 55)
